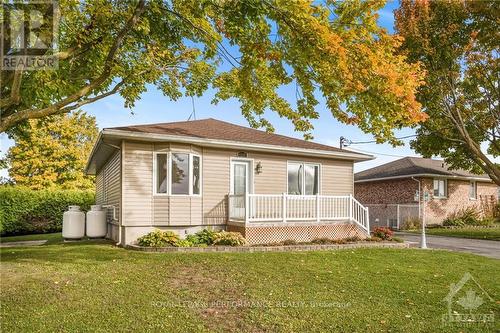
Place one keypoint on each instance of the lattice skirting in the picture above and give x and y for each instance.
(300, 233)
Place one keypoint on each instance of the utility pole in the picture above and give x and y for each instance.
(343, 142)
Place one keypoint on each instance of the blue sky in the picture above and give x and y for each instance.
(154, 108)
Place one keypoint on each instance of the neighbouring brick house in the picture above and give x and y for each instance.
(391, 191)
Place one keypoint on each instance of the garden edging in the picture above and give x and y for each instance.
(282, 248)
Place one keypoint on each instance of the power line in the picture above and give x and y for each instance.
(346, 142)
(374, 153)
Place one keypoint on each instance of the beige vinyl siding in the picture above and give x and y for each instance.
(215, 185)
(137, 184)
(335, 178)
(142, 208)
(108, 191)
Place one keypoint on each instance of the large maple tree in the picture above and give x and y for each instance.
(246, 50)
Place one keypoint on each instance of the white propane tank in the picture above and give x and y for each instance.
(73, 223)
(96, 222)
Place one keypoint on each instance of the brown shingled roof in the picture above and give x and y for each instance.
(409, 166)
(221, 130)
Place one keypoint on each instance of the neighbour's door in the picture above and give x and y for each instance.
(240, 184)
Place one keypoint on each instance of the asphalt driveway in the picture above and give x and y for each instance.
(487, 248)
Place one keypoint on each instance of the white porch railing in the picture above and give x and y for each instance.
(253, 208)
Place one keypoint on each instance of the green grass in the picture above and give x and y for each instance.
(51, 238)
(87, 287)
(466, 232)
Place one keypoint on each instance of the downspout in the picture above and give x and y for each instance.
(120, 221)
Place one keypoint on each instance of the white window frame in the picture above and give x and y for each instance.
(169, 174)
(155, 170)
(473, 183)
(304, 163)
(445, 189)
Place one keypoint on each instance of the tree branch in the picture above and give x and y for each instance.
(15, 89)
(15, 118)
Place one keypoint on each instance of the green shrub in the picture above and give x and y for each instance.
(25, 211)
(158, 238)
(383, 233)
(352, 239)
(289, 242)
(463, 217)
(412, 223)
(228, 238)
(202, 237)
(323, 240)
(183, 243)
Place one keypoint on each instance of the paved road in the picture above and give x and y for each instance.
(486, 248)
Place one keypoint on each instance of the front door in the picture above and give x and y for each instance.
(240, 177)
(241, 183)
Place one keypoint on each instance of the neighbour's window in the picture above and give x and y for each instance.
(196, 174)
(184, 176)
(303, 178)
(161, 173)
(440, 188)
(472, 190)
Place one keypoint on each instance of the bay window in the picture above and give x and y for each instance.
(303, 178)
(177, 174)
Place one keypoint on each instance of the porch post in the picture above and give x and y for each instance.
(350, 207)
(318, 209)
(368, 220)
(283, 206)
(247, 208)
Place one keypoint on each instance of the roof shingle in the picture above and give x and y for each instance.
(409, 166)
(221, 130)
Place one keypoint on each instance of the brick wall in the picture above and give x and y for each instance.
(396, 191)
(437, 209)
(402, 191)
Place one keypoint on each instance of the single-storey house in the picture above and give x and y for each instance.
(186, 176)
(392, 189)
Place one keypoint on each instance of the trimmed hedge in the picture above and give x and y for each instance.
(25, 211)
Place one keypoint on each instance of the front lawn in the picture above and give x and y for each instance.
(492, 233)
(98, 287)
(52, 238)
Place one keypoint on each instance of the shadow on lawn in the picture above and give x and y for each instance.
(74, 252)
